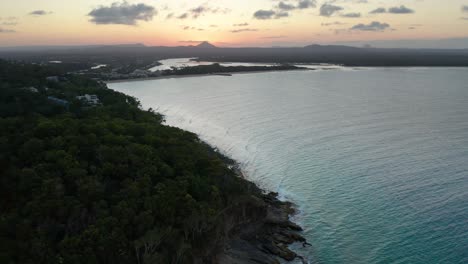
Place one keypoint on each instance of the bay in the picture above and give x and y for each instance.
(376, 159)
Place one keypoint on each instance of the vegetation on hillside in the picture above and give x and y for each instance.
(217, 68)
(104, 184)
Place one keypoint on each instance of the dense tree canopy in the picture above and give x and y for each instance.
(105, 184)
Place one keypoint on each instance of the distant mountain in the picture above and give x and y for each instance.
(445, 44)
(136, 45)
(333, 54)
(331, 47)
(206, 45)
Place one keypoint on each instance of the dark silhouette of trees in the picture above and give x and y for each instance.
(108, 184)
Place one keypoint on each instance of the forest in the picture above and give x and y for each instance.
(217, 68)
(104, 184)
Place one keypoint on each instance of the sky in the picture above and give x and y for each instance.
(231, 23)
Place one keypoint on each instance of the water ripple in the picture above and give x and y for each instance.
(376, 159)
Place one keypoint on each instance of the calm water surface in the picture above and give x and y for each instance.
(191, 62)
(376, 159)
(168, 64)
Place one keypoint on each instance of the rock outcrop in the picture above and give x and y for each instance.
(263, 233)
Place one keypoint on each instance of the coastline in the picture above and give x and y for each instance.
(259, 227)
(265, 239)
(262, 231)
(143, 192)
(223, 74)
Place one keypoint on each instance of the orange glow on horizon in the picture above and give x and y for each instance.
(224, 23)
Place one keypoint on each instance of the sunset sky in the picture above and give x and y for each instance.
(228, 22)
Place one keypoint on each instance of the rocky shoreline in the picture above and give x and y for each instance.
(256, 228)
(263, 234)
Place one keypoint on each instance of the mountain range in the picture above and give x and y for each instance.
(334, 54)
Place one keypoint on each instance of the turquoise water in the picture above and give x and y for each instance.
(375, 159)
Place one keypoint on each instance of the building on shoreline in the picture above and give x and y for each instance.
(89, 99)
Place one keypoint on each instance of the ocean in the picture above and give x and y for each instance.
(376, 159)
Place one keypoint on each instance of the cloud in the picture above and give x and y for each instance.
(400, 10)
(192, 28)
(269, 14)
(12, 23)
(301, 4)
(350, 1)
(414, 26)
(393, 10)
(198, 11)
(241, 25)
(5, 30)
(328, 10)
(373, 26)
(351, 15)
(281, 14)
(379, 10)
(306, 4)
(201, 10)
(9, 21)
(337, 23)
(122, 13)
(274, 37)
(183, 16)
(464, 8)
(39, 13)
(286, 7)
(11, 18)
(244, 30)
(264, 14)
